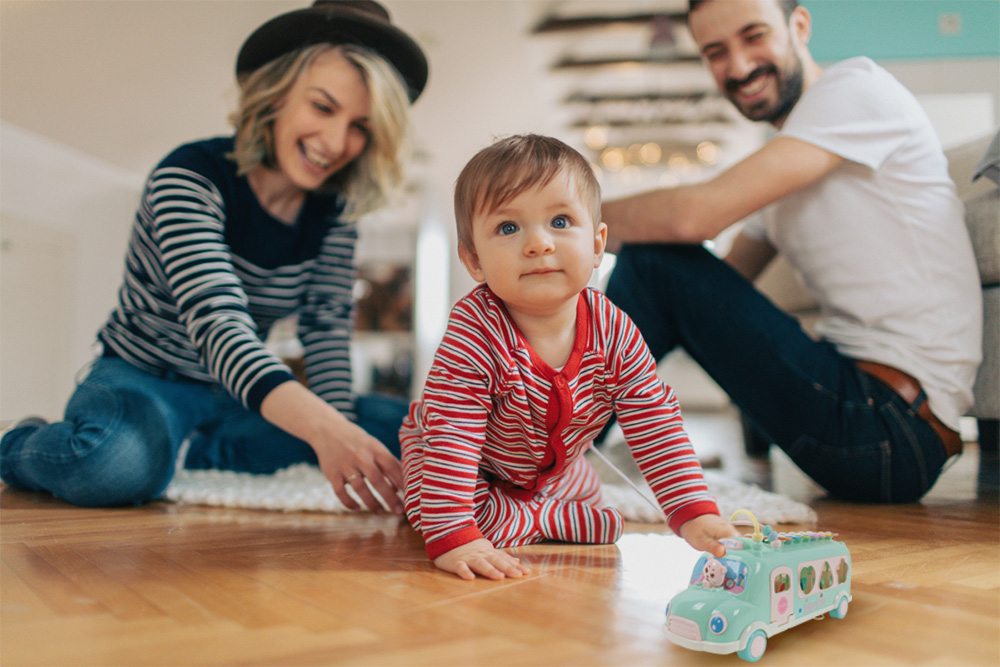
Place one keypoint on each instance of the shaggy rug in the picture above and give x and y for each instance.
(304, 488)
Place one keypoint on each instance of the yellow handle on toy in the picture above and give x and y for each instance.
(758, 536)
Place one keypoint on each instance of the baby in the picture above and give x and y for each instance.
(531, 367)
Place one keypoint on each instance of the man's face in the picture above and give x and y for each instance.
(752, 54)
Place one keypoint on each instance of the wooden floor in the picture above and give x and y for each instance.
(182, 585)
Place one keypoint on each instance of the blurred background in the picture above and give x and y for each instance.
(93, 93)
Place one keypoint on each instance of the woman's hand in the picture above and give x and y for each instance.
(347, 454)
(482, 558)
(349, 457)
(704, 532)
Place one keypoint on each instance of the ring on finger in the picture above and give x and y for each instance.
(353, 477)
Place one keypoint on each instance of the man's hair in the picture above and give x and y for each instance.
(510, 166)
(366, 182)
(787, 6)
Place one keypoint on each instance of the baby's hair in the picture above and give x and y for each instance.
(511, 166)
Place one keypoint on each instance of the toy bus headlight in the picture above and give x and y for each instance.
(717, 624)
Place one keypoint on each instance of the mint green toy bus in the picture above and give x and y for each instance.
(765, 584)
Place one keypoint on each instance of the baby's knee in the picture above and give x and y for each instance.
(579, 522)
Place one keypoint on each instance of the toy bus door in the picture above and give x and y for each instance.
(781, 594)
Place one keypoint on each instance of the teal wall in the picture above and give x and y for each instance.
(903, 29)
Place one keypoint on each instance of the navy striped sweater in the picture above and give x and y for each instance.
(208, 271)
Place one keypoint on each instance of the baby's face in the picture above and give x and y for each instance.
(539, 250)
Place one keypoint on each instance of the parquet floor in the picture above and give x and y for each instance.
(181, 585)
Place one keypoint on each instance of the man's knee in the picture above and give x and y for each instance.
(644, 270)
(664, 258)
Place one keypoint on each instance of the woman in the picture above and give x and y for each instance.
(231, 235)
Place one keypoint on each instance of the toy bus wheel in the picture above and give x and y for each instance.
(755, 647)
(841, 610)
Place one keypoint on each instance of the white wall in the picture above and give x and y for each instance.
(64, 220)
(962, 97)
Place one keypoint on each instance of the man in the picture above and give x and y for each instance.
(855, 193)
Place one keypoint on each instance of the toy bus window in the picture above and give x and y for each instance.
(782, 583)
(807, 579)
(826, 580)
(734, 578)
(842, 571)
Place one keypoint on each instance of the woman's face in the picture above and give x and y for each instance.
(324, 122)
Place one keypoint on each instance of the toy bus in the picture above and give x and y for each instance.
(765, 584)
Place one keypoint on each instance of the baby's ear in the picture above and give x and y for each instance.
(471, 262)
(600, 242)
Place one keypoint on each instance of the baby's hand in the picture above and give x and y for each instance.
(703, 533)
(482, 558)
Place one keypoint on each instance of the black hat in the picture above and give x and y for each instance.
(362, 22)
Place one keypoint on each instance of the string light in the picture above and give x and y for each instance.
(707, 152)
(596, 137)
(650, 153)
(679, 162)
(613, 159)
(634, 153)
(627, 161)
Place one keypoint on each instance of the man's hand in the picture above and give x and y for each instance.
(704, 532)
(482, 558)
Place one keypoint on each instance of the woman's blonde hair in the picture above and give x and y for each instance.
(365, 183)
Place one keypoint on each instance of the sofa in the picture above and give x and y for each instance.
(974, 168)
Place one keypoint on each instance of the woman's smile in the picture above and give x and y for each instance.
(315, 157)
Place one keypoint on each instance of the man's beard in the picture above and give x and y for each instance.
(789, 85)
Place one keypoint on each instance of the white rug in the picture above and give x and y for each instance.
(730, 495)
(304, 488)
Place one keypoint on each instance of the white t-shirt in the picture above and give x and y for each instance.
(881, 242)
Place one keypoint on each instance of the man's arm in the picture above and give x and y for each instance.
(699, 211)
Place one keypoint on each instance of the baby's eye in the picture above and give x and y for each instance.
(560, 222)
(507, 228)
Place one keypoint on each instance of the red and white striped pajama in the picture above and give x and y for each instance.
(494, 446)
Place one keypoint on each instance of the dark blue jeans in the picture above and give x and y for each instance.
(123, 429)
(854, 436)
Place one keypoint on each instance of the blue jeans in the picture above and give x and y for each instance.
(854, 436)
(123, 429)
